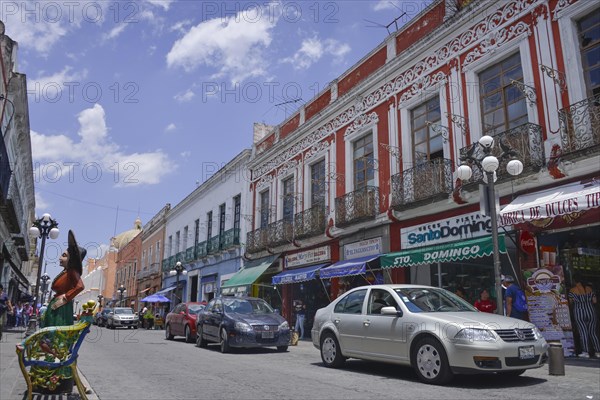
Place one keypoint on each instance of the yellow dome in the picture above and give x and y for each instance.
(119, 241)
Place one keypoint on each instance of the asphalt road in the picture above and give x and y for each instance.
(136, 364)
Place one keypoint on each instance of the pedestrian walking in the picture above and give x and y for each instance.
(18, 314)
(5, 309)
(583, 299)
(27, 312)
(300, 315)
(516, 303)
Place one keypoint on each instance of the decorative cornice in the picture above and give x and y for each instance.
(496, 20)
(423, 84)
(562, 4)
(495, 40)
(316, 149)
(362, 121)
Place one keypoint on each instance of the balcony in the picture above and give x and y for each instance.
(168, 263)
(580, 128)
(280, 232)
(310, 222)
(257, 240)
(358, 206)
(214, 245)
(201, 250)
(5, 172)
(147, 272)
(428, 182)
(526, 140)
(189, 254)
(230, 238)
(9, 215)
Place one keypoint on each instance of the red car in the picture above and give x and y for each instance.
(181, 321)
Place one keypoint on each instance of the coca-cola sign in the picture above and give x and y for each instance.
(527, 242)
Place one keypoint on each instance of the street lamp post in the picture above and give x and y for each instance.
(488, 164)
(179, 269)
(42, 228)
(121, 291)
(45, 278)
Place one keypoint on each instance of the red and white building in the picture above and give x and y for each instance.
(368, 166)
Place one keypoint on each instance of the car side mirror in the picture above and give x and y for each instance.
(391, 311)
(111, 313)
(277, 311)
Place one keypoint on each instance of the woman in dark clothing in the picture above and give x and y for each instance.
(583, 300)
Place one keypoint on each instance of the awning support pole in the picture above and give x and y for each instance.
(325, 289)
(439, 265)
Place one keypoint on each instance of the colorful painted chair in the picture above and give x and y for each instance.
(51, 356)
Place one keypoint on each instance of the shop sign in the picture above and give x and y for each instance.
(369, 247)
(527, 242)
(209, 287)
(450, 229)
(314, 256)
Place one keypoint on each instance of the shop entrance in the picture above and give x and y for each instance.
(308, 296)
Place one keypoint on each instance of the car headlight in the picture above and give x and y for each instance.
(475, 335)
(537, 333)
(284, 326)
(243, 327)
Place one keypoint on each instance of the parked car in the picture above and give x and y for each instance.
(430, 329)
(101, 317)
(241, 322)
(122, 317)
(181, 321)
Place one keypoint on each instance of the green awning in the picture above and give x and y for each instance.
(455, 251)
(243, 278)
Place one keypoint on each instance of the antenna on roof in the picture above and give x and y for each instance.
(289, 101)
(387, 27)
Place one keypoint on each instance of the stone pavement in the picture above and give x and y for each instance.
(12, 384)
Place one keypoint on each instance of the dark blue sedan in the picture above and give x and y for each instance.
(241, 322)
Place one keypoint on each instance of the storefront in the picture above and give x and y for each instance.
(559, 231)
(359, 267)
(254, 279)
(455, 252)
(299, 284)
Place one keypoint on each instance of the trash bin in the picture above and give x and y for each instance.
(556, 359)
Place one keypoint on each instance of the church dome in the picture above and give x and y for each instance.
(119, 241)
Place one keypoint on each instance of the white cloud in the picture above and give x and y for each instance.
(165, 4)
(96, 146)
(312, 50)
(171, 127)
(181, 26)
(235, 46)
(186, 96)
(50, 85)
(383, 5)
(114, 32)
(41, 205)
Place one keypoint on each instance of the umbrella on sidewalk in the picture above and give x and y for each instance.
(155, 298)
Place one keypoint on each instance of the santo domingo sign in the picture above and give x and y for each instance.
(455, 251)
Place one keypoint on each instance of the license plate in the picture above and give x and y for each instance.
(268, 335)
(526, 352)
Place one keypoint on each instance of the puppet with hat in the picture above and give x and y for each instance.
(66, 285)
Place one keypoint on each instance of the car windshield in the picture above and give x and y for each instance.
(247, 306)
(123, 311)
(195, 308)
(432, 300)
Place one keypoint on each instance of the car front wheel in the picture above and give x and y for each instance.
(188, 335)
(224, 341)
(331, 353)
(200, 342)
(168, 334)
(430, 362)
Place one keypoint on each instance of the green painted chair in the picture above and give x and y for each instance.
(51, 356)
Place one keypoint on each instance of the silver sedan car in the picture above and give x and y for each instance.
(430, 329)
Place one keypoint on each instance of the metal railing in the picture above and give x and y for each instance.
(214, 245)
(428, 181)
(580, 127)
(189, 254)
(280, 232)
(230, 238)
(257, 240)
(527, 143)
(201, 250)
(357, 206)
(310, 222)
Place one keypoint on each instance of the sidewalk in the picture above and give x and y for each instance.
(13, 385)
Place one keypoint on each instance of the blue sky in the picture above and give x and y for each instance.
(132, 103)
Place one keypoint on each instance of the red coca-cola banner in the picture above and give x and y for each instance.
(527, 242)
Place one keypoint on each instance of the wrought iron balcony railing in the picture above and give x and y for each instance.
(257, 240)
(151, 270)
(5, 171)
(201, 250)
(427, 182)
(189, 254)
(280, 232)
(310, 222)
(527, 142)
(168, 263)
(357, 206)
(580, 128)
(230, 239)
(180, 256)
(214, 245)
